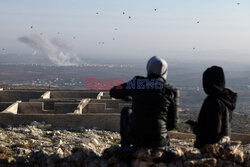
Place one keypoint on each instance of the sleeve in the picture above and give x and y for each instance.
(172, 111)
(195, 129)
(225, 127)
(120, 92)
(200, 121)
(214, 121)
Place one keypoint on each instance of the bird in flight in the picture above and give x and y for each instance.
(155, 9)
(31, 27)
(238, 3)
(129, 17)
(198, 22)
(194, 48)
(123, 13)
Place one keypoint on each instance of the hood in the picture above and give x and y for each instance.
(157, 66)
(214, 84)
(229, 98)
(213, 80)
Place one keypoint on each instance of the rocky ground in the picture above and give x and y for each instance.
(40, 145)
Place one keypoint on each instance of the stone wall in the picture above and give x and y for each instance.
(48, 107)
(18, 95)
(73, 94)
(65, 108)
(96, 108)
(106, 106)
(109, 102)
(30, 108)
(70, 100)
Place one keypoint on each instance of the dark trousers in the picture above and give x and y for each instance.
(124, 126)
(126, 139)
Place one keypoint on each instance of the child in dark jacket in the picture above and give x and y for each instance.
(214, 121)
(154, 107)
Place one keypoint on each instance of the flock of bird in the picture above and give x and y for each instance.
(102, 43)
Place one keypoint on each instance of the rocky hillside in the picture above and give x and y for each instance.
(40, 145)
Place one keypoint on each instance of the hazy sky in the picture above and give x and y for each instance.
(223, 31)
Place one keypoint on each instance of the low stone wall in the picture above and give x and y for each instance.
(106, 106)
(67, 100)
(109, 102)
(30, 108)
(73, 94)
(96, 108)
(65, 108)
(46, 107)
(18, 95)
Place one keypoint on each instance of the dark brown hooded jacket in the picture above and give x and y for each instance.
(215, 116)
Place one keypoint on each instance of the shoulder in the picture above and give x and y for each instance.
(170, 87)
(171, 91)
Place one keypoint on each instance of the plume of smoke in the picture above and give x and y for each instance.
(34, 53)
(57, 50)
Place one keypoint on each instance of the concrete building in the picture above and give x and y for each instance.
(61, 108)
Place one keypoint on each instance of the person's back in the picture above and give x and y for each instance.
(215, 116)
(153, 106)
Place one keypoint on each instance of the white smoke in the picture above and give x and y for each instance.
(34, 53)
(57, 50)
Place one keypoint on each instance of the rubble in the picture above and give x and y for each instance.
(32, 145)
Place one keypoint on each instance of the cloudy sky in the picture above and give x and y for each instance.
(193, 29)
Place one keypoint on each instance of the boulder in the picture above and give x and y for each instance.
(192, 153)
(214, 150)
(143, 154)
(177, 163)
(76, 159)
(141, 163)
(204, 162)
